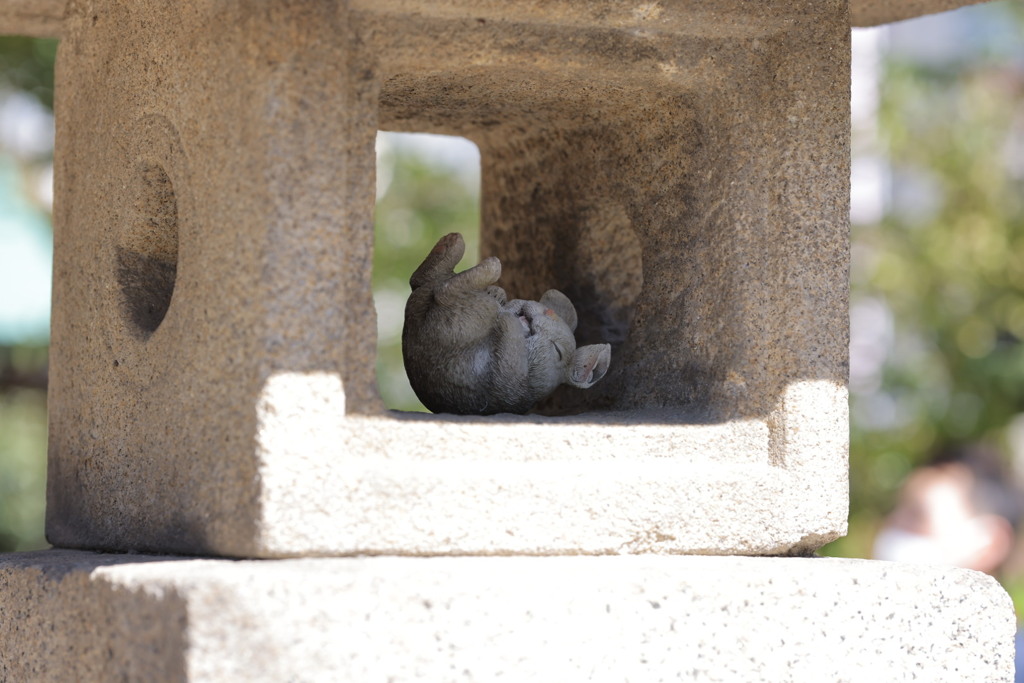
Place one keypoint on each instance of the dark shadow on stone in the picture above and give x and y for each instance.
(147, 284)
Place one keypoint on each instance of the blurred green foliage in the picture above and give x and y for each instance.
(26, 65)
(423, 201)
(22, 469)
(947, 263)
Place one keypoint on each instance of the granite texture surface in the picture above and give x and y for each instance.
(875, 12)
(80, 616)
(44, 18)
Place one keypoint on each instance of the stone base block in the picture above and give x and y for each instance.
(70, 615)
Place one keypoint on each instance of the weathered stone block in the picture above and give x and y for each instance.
(39, 18)
(44, 18)
(875, 12)
(680, 170)
(78, 616)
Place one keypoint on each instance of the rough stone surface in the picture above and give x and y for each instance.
(44, 18)
(78, 616)
(681, 171)
(875, 12)
(38, 18)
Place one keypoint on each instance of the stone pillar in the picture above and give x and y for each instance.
(680, 169)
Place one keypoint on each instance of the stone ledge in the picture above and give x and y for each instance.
(68, 615)
(424, 485)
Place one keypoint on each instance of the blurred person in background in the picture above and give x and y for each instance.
(961, 509)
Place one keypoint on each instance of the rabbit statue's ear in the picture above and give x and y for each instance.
(560, 304)
(589, 364)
